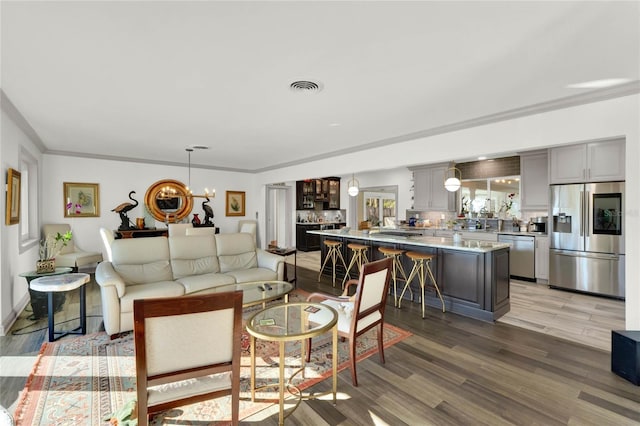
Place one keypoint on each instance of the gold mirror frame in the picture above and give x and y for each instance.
(151, 198)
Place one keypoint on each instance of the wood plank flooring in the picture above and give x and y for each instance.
(452, 371)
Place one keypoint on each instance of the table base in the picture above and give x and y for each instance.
(81, 329)
(289, 385)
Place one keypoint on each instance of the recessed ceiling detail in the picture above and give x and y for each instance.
(306, 86)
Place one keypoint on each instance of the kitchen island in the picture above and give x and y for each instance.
(473, 275)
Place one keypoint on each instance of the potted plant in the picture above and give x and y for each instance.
(50, 247)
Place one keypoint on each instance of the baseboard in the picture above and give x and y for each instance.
(9, 320)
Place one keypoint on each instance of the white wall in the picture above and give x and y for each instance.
(117, 178)
(13, 289)
(601, 120)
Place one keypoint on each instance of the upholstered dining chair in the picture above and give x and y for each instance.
(361, 312)
(187, 350)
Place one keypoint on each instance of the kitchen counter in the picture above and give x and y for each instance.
(420, 241)
(473, 275)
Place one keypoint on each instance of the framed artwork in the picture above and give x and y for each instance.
(81, 199)
(235, 203)
(13, 197)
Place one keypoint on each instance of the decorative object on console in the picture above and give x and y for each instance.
(452, 182)
(122, 210)
(235, 203)
(50, 247)
(196, 220)
(208, 212)
(353, 186)
(12, 215)
(81, 199)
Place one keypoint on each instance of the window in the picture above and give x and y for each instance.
(492, 195)
(28, 200)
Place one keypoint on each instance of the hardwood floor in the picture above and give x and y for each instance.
(452, 371)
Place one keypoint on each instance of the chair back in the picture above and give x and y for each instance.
(107, 238)
(250, 227)
(179, 343)
(370, 298)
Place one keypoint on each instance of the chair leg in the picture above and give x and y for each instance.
(352, 360)
(408, 283)
(308, 350)
(326, 259)
(380, 343)
(354, 260)
(435, 284)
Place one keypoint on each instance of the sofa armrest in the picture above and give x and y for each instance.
(106, 276)
(271, 261)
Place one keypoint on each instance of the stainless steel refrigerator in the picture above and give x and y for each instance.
(586, 233)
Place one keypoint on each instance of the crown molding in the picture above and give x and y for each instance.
(21, 122)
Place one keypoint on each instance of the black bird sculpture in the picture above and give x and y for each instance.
(208, 212)
(122, 210)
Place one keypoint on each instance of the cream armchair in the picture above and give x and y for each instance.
(71, 255)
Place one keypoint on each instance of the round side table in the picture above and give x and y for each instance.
(58, 283)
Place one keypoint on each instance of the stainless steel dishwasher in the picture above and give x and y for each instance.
(521, 256)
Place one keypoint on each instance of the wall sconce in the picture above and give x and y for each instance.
(354, 186)
(452, 183)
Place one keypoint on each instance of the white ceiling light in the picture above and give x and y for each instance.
(452, 183)
(354, 186)
(599, 84)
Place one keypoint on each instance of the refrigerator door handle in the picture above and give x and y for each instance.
(585, 254)
(587, 202)
(581, 213)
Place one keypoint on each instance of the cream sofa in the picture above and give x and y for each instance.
(162, 267)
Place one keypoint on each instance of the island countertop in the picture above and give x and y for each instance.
(434, 242)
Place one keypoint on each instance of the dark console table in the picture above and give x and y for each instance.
(140, 233)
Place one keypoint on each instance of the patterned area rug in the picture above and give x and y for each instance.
(80, 381)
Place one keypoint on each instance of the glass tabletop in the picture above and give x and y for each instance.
(254, 293)
(292, 321)
(58, 271)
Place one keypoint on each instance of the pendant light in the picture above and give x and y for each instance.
(452, 182)
(354, 186)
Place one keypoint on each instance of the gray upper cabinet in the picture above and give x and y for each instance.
(429, 191)
(591, 162)
(534, 181)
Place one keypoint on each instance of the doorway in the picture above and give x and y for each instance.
(278, 217)
(376, 204)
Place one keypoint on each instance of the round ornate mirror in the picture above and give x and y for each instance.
(167, 200)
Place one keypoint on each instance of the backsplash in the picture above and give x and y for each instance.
(313, 216)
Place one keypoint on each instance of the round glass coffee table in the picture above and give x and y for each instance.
(257, 292)
(289, 322)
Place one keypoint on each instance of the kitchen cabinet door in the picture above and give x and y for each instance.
(534, 181)
(592, 162)
(542, 258)
(429, 191)
(605, 161)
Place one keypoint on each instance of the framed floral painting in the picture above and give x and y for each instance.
(81, 199)
(235, 203)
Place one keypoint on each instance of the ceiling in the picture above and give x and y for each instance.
(145, 80)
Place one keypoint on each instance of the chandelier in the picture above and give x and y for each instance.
(170, 192)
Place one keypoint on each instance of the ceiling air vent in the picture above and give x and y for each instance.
(304, 86)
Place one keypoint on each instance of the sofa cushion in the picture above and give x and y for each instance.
(142, 260)
(193, 255)
(236, 251)
(202, 282)
(253, 274)
(149, 290)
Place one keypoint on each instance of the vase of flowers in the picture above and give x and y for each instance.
(50, 247)
(507, 205)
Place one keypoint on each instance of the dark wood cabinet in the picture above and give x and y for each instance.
(305, 194)
(325, 191)
(305, 241)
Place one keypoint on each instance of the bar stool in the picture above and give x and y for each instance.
(358, 257)
(421, 265)
(333, 253)
(397, 267)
